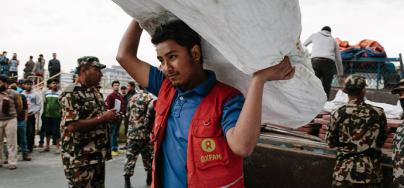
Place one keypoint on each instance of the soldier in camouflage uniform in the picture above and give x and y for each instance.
(141, 117)
(398, 144)
(358, 130)
(85, 128)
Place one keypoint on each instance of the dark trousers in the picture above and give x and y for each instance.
(31, 132)
(50, 129)
(324, 69)
(22, 136)
(42, 131)
(114, 135)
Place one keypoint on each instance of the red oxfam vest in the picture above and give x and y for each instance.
(210, 161)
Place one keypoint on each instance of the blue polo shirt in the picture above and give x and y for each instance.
(175, 141)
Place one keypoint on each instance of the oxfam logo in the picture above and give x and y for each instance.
(208, 145)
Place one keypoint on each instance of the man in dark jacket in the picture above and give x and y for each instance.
(54, 67)
(29, 67)
(22, 125)
(4, 63)
(10, 105)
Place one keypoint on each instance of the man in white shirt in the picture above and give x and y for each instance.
(325, 57)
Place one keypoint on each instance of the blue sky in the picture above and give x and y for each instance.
(74, 28)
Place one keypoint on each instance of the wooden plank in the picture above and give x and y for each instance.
(321, 121)
(327, 117)
(394, 123)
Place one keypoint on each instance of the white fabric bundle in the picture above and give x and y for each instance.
(341, 98)
(241, 37)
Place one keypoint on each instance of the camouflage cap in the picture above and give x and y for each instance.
(90, 60)
(355, 82)
(399, 88)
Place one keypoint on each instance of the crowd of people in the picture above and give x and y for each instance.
(21, 106)
(9, 67)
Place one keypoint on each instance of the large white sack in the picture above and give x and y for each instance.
(241, 37)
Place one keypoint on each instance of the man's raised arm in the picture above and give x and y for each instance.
(243, 137)
(127, 55)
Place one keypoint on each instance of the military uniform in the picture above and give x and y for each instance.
(398, 144)
(141, 117)
(358, 130)
(84, 153)
(398, 157)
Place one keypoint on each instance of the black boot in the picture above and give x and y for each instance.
(127, 182)
(149, 178)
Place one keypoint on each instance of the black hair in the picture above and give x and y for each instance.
(178, 31)
(115, 82)
(21, 81)
(326, 28)
(4, 78)
(131, 83)
(12, 81)
(28, 82)
(353, 92)
(124, 87)
(48, 82)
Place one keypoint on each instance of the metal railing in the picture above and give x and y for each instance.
(380, 73)
(39, 81)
